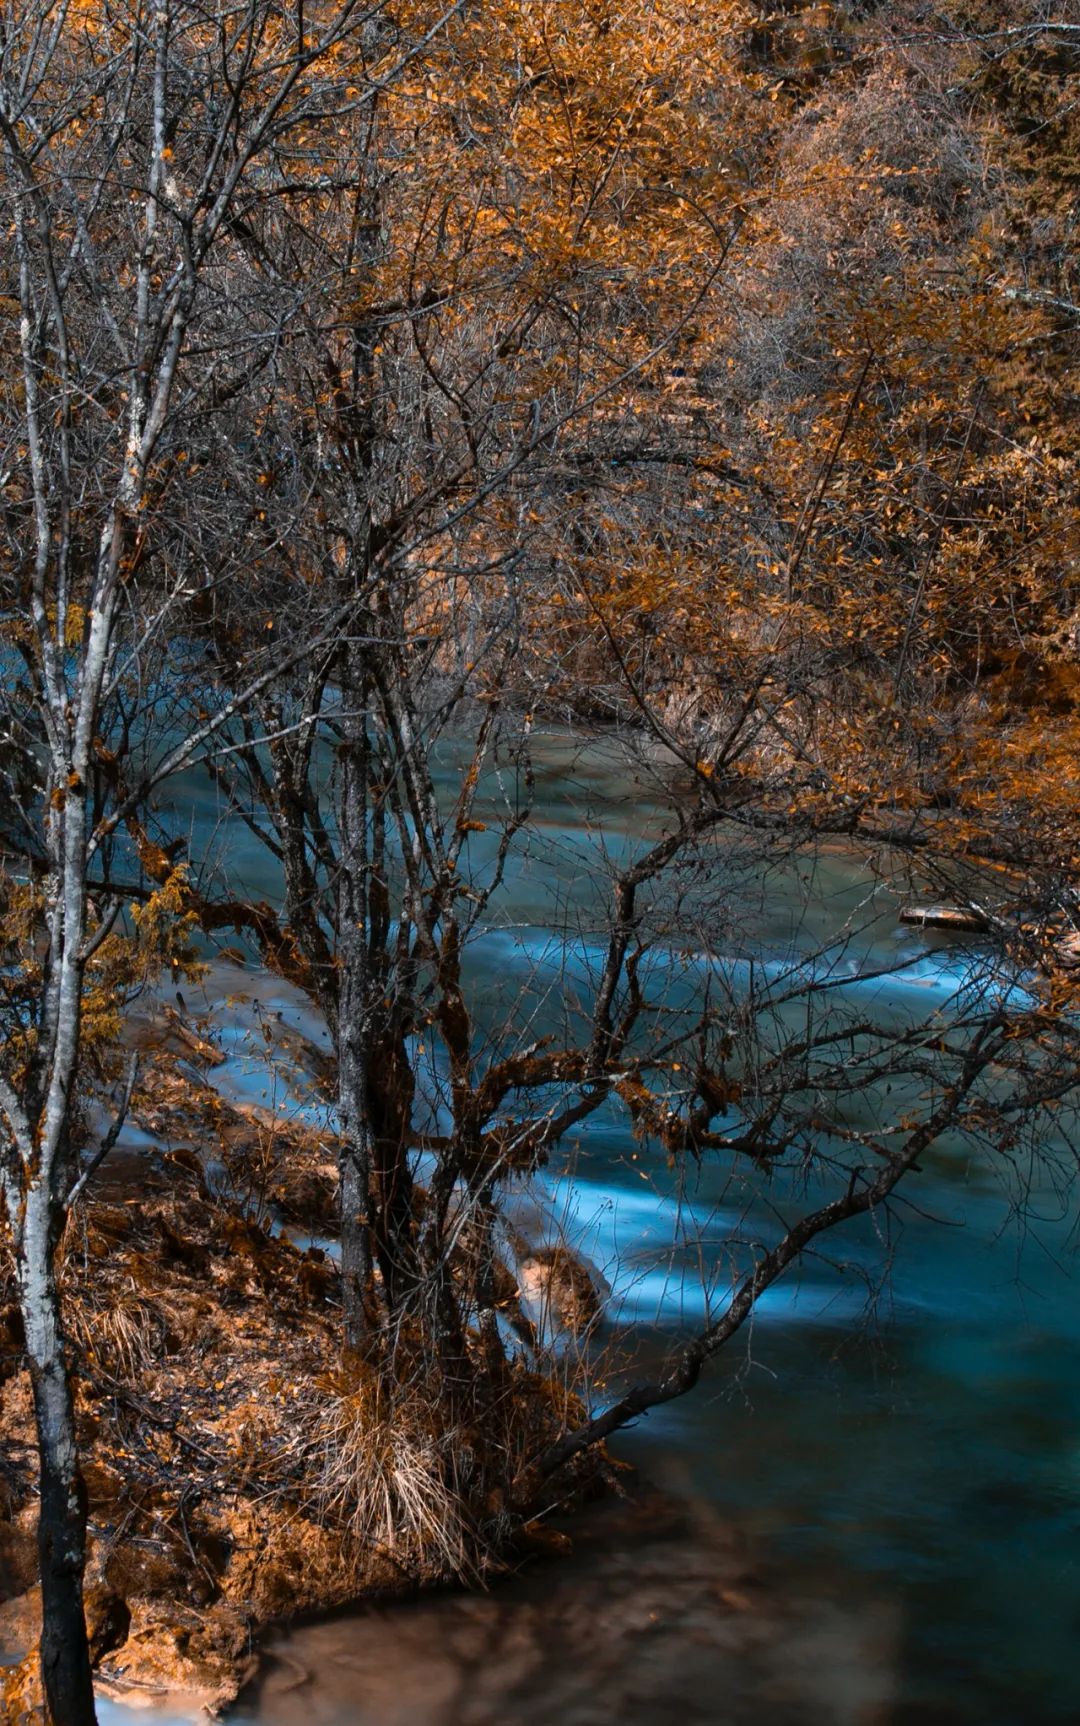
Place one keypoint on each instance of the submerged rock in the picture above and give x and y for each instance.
(560, 1288)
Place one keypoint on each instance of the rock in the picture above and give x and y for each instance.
(18, 1555)
(174, 1656)
(560, 1287)
(22, 1700)
(178, 1250)
(108, 1619)
(12, 1340)
(20, 1622)
(191, 1041)
(150, 1570)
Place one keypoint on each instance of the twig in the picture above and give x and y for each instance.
(110, 1138)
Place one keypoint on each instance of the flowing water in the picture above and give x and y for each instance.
(870, 1508)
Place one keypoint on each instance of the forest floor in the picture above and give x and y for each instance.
(239, 1471)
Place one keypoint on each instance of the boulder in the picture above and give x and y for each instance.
(1067, 949)
(560, 1288)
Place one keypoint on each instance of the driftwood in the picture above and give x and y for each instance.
(199, 1046)
(956, 917)
(1063, 951)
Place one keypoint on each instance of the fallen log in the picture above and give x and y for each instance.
(198, 1046)
(955, 917)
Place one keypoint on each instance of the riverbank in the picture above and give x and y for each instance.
(240, 1472)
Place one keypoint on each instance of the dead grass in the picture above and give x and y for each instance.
(121, 1336)
(230, 1473)
(365, 1459)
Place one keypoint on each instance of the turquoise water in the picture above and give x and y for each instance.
(902, 1420)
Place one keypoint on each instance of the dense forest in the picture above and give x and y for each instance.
(392, 395)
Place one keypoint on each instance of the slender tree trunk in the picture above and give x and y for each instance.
(65, 1657)
(390, 1100)
(353, 1031)
(441, 1313)
(486, 1285)
(354, 1174)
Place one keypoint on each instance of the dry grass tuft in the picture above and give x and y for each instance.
(364, 1459)
(122, 1337)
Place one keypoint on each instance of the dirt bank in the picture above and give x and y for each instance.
(239, 1471)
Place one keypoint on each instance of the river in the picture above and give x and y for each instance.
(901, 1455)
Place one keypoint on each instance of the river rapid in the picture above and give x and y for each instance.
(868, 1512)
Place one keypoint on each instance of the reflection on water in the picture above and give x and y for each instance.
(660, 1615)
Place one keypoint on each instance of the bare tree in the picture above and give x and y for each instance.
(129, 136)
(424, 402)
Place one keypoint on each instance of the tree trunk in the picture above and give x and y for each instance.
(487, 1297)
(354, 1174)
(390, 1103)
(65, 1655)
(352, 1029)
